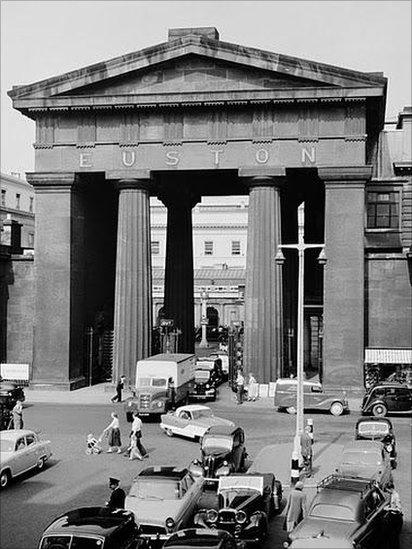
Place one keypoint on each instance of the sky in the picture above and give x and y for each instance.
(40, 39)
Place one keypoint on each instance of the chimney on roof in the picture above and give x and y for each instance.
(207, 32)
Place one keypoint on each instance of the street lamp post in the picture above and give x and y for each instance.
(301, 247)
(204, 297)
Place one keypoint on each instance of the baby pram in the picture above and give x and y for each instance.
(93, 445)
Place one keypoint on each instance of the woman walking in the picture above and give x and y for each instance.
(113, 431)
(18, 415)
(295, 507)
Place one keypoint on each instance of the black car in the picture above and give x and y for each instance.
(204, 386)
(93, 527)
(214, 365)
(10, 393)
(378, 428)
(245, 505)
(201, 538)
(387, 397)
(222, 452)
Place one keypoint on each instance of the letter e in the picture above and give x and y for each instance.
(85, 160)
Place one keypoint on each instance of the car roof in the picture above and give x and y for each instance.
(14, 434)
(374, 419)
(221, 430)
(192, 407)
(91, 520)
(345, 484)
(363, 445)
(390, 384)
(172, 473)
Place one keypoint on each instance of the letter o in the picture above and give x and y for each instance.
(262, 156)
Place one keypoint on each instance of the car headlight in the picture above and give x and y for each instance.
(240, 517)
(129, 403)
(157, 403)
(212, 515)
(225, 463)
(389, 448)
(207, 386)
(170, 523)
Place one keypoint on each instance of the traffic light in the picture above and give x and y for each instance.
(239, 353)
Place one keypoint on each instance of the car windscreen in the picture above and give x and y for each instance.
(197, 414)
(215, 441)
(6, 445)
(156, 488)
(158, 382)
(335, 512)
(373, 428)
(361, 457)
(202, 374)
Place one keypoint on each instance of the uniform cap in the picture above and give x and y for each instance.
(114, 480)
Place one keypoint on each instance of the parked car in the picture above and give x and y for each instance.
(314, 395)
(345, 512)
(222, 452)
(246, 503)
(13, 390)
(20, 451)
(10, 393)
(191, 421)
(380, 429)
(214, 365)
(204, 386)
(222, 360)
(387, 397)
(6, 416)
(366, 459)
(92, 527)
(267, 461)
(163, 500)
(201, 538)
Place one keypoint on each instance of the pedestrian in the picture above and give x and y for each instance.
(253, 388)
(171, 393)
(113, 432)
(119, 387)
(295, 507)
(133, 451)
(306, 450)
(240, 386)
(137, 433)
(394, 517)
(117, 496)
(18, 415)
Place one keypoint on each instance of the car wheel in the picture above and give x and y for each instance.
(336, 409)
(169, 433)
(40, 464)
(5, 478)
(291, 410)
(379, 410)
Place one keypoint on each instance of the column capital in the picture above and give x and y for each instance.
(342, 174)
(52, 181)
(130, 183)
(183, 198)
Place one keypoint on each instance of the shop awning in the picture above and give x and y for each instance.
(388, 356)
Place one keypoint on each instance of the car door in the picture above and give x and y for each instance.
(183, 422)
(190, 494)
(20, 458)
(371, 530)
(314, 397)
(32, 450)
(386, 468)
(403, 399)
(390, 399)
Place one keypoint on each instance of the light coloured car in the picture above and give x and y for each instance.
(20, 451)
(366, 459)
(191, 421)
(163, 500)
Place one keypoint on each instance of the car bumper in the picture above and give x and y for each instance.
(202, 397)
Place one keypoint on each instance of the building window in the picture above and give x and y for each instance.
(235, 247)
(3, 197)
(31, 240)
(155, 247)
(17, 201)
(208, 247)
(383, 210)
(31, 202)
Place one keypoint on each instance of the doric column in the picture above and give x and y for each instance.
(263, 292)
(179, 286)
(343, 341)
(59, 280)
(133, 287)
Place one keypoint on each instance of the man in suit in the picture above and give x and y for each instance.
(120, 385)
(117, 496)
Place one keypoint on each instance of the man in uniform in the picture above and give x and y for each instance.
(117, 496)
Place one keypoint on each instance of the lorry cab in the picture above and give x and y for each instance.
(154, 394)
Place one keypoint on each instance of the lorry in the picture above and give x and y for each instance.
(152, 395)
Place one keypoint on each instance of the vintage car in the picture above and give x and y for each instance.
(267, 461)
(222, 452)
(163, 500)
(191, 421)
(387, 397)
(204, 386)
(366, 459)
(20, 451)
(222, 360)
(245, 504)
(214, 365)
(92, 528)
(380, 429)
(12, 390)
(201, 538)
(314, 395)
(9, 394)
(345, 512)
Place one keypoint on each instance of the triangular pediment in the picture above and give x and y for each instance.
(195, 64)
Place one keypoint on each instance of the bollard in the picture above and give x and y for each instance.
(309, 423)
(294, 470)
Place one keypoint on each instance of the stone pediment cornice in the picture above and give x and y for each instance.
(322, 75)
